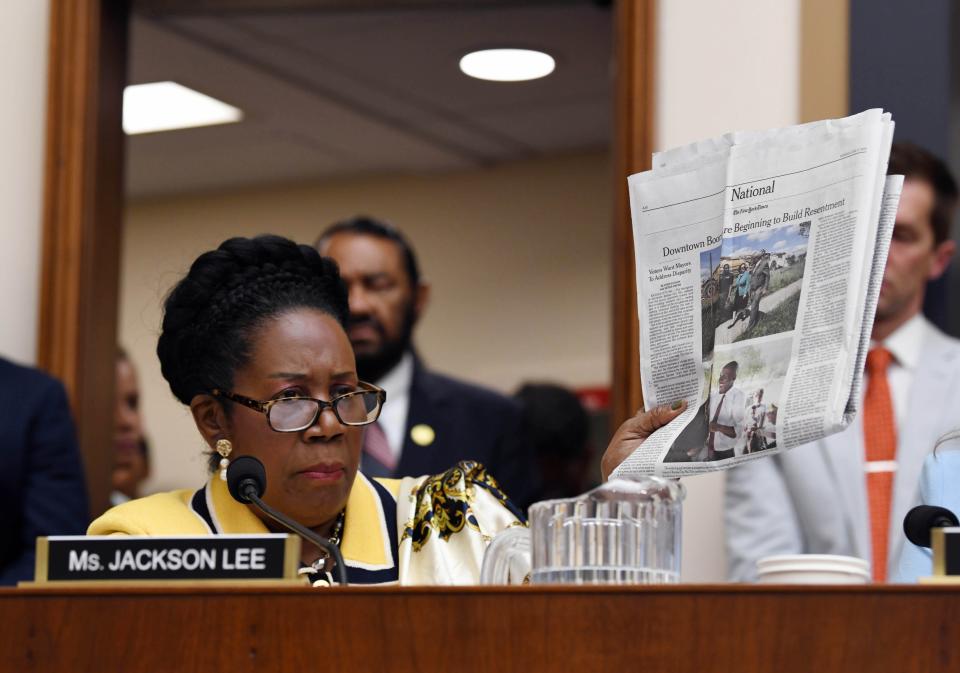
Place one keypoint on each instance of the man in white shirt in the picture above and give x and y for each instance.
(836, 496)
(727, 409)
(430, 421)
(756, 420)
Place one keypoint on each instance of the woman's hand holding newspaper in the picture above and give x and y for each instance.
(634, 430)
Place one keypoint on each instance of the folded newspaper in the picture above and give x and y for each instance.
(759, 262)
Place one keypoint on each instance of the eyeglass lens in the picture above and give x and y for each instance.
(296, 414)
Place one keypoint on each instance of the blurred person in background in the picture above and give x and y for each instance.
(432, 420)
(42, 487)
(848, 493)
(939, 487)
(131, 458)
(558, 428)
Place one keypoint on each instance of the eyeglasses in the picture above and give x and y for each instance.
(293, 414)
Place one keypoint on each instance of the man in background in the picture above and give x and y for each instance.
(131, 454)
(42, 488)
(430, 421)
(848, 493)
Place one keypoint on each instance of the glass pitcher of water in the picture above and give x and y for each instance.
(623, 532)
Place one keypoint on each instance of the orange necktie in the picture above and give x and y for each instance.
(880, 437)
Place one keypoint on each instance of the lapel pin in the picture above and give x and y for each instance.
(422, 434)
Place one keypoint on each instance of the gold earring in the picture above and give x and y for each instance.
(224, 447)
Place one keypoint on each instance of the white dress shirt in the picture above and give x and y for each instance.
(732, 412)
(906, 345)
(393, 416)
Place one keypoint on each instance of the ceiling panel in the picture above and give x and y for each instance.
(546, 128)
(415, 53)
(348, 93)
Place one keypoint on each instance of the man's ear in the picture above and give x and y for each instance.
(210, 418)
(941, 259)
(421, 297)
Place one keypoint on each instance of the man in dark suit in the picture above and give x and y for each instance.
(430, 421)
(42, 489)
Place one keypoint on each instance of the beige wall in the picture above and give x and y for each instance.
(722, 66)
(23, 71)
(519, 257)
(725, 66)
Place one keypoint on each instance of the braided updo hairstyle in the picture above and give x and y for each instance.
(211, 315)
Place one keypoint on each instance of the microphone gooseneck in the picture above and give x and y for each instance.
(247, 481)
(920, 520)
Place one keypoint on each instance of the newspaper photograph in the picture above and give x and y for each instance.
(763, 295)
(739, 416)
(759, 257)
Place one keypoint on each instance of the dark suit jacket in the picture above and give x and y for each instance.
(471, 423)
(42, 488)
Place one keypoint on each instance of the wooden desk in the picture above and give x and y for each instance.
(662, 629)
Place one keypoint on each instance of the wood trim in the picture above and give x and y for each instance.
(824, 59)
(222, 7)
(633, 147)
(243, 629)
(83, 204)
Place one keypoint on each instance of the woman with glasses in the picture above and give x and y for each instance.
(253, 342)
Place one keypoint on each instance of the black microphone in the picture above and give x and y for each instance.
(247, 481)
(921, 519)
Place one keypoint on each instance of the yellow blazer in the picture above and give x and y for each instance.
(426, 530)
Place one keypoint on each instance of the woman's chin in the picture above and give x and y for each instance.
(313, 502)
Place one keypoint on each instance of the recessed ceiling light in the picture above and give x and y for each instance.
(507, 65)
(165, 106)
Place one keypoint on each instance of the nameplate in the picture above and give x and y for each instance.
(946, 551)
(191, 558)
